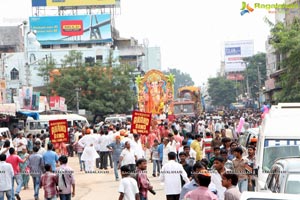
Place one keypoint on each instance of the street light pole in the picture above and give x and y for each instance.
(259, 85)
(77, 99)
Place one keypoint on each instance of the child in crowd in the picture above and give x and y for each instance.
(154, 157)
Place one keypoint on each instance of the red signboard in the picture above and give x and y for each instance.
(58, 130)
(71, 27)
(140, 123)
(235, 76)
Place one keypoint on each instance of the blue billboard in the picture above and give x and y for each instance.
(231, 51)
(75, 29)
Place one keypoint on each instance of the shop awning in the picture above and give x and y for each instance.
(34, 115)
(8, 109)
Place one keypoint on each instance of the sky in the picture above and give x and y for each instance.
(190, 33)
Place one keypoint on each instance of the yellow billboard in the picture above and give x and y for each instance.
(80, 2)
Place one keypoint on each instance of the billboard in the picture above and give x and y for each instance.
(73, 29)
(58, 130)
(140, 123)
(35, 100)
(235, 76)
(235, 52)
(26, 97)
(38, 3)
(2, 91)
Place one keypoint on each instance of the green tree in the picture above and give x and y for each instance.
(46, 66)
(221, 91)
(73, 59)
(256, 66)
(180, 79)
(104, 90)
(286, 41)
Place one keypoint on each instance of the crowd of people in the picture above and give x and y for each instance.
(194, 158)
(22, 157)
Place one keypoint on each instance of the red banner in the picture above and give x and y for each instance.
(71, 27)
(58, 131)
(140, 123)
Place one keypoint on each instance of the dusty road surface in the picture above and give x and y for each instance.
(97, 186)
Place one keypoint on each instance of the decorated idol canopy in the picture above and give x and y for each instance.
(156, 92)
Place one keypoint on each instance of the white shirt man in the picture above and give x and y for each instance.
(20, 143)
(171, 174)
(128, 157)
(201, 128)
(89, 154)
(104, 141)
(192, 152)
(137, 147)
(6, 175)
(166, 151)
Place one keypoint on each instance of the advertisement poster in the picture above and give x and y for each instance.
(58, 130)
(35, 100)
(140, 123)
(74, 29)
(2, 91)
(43, 104)
(27, 97)
(235, 52)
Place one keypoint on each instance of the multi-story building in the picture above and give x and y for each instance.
(274, 69)
(152, 58)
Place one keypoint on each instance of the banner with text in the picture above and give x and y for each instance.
(38, 3)
(74, 29)
(140, 123)
(35, 100)
(235, 52)
(58, 130)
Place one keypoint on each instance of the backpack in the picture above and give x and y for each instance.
(62, 183)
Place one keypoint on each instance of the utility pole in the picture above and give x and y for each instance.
(259, 85)
(77, 99)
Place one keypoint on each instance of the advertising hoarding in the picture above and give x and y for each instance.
(73, 29)
(235, 52)
(2, 91)
(26, 97)
(140, 122)
(35, 100)
(58, 130)
(38, 3)
(235, 76)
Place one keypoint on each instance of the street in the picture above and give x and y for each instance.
(100, 185)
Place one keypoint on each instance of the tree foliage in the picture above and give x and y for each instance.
(286, 41)
(180, 79)
(255, 64)
(221, 91)
(103, 90)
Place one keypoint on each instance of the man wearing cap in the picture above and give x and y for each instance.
(89, 154)
(116, 147)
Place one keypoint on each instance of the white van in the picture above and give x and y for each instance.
(278, 137)
(36, 126)
(5, 131)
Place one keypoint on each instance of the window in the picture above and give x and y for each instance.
(14, 74)
(64, 46)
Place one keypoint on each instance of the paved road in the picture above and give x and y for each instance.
(100, 186)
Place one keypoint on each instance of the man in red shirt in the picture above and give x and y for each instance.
(142, 179)
(49, 181)
(15, 160)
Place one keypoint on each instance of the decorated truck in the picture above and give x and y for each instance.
(188, 102)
